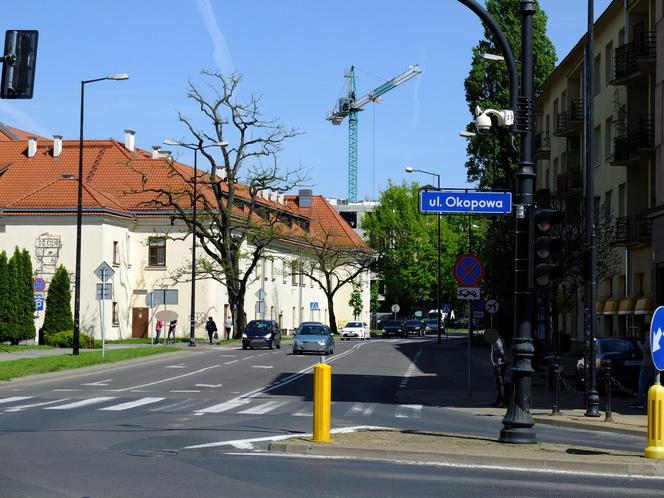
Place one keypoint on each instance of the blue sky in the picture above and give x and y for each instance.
(292, 52)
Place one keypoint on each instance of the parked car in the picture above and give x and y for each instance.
(313, 338)
(260, 334)
(431, 326)
(355, 329)
(393, 327)
(413, 327)
(621, 353)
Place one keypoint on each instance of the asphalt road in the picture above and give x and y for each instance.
(175, 424)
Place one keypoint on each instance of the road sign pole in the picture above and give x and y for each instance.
(470, 340)
(103, 305)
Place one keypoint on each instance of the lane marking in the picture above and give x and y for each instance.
(411, 369)
(264, 408)
(66, 390)
(229, 362)
(163, 380)
(78, 404)
(208, 385)
(131, 404)
(249, 357)
(227, 355)
(180, 404)
(407, 411)
(185, 391)
(304, 412)
(32, 405)
(14, 398)
(222, 407)
(262, 366)
(181, 365)
(364, 409)
(98, 383)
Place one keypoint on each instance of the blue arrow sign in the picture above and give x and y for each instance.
(656, 333)
(435, 201)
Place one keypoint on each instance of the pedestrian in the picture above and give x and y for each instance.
(211, 328)
(228, 324)
(646, 371)
(499, 362)
(171, 330)
(160, 326)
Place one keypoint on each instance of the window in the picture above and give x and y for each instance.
(597, 153)
(608, 203)
(293, 273)
(597, 75)
(116, 252)
(556, 170)
(272, 270)
(555, 113)
(608, 62)
(157, 252)
(114, 314)
(608, 138)
(284, 273)
(622, 199)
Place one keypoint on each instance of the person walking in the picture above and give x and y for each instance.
(228, 324)
(211, 328)
(499, 362)
(160, 326)
(647, 370)
(171, 330)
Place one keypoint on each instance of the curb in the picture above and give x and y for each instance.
(574, 424)
(648, 469)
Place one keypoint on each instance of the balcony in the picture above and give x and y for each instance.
(542, 145)
(570, 182)
(570, 122)
(635, 59)
(632, 146)
(633, 230)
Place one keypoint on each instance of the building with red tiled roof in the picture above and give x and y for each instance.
(122, 225)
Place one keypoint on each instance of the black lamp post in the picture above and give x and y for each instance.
(518, 423)
(79, 213)
(413, 170)
(194, 229)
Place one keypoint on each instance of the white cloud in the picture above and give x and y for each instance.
(221, 53)
(19, 119)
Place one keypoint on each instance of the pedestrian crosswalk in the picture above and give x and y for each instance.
(238, 406)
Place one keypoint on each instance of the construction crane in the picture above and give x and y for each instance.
(350, 106)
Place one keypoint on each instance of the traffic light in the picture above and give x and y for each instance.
(18, 69)
(546, 247)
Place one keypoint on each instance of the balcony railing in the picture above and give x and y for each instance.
(632, 230)
(569, 182)
(571, 120)
(542, 145)
(629, 58)
(629, 147)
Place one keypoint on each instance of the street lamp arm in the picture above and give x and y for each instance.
(505, 49)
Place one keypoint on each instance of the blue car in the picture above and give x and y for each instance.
(313, 338)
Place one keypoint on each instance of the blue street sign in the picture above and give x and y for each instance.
(39, 303)
(313, 306)
(38, 284)
(656, 332)
(435, 201)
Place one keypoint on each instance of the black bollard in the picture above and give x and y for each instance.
(607, 378)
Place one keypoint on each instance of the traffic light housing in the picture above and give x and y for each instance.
(19, 60)
(546, 247)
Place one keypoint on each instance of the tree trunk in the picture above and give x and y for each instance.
(330, 312)
(236, 302)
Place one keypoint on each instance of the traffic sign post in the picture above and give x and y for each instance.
(468, 293)
(313, 306)
(395, 309)
(104, 273)
(468, 270)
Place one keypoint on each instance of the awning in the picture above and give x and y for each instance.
(611, 307)
(626, 306)
(599, 307)
(644, 306)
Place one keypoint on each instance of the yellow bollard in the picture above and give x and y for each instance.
(322, 402)
(655, 448)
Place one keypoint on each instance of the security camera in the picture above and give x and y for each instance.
(483, 119)
(483, 124)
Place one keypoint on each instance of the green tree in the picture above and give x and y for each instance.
(407, 242)
(58, 316)
(355, 302)
(373, 300)
(25, 294)
(5, 297)
(12, 324)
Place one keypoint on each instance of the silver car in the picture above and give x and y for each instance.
(313, 338)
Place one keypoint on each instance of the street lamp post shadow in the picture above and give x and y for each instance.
(413, 170)
(79, 214)
(194, 229)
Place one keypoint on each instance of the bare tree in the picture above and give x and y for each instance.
(234, 223)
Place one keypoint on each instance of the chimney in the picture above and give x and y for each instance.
(155, 152)
(32, 146)
(57, 145)
(130, 140)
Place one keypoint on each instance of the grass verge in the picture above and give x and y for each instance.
(6, 348)
(30, 366)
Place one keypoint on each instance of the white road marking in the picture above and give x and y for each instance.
(232, 361)
(180, 404)
(281, 437)
(32, 405)
(304, 412)
(78, 404)
(223, 407)
(262, 366)
(208, 385)
(14, 398)
(364, 409)
(411, 369)
(181, 365)
(227, 355)
(264, 408)
(98, 383)
(141, 390)
(66, 390)
(131, 404)
(163, 380)
(185, 391)
(249, 357)
(406, 411)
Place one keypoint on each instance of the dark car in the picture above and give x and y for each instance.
(394, 327)
(413, 327)
(261, 334)
(622, 354)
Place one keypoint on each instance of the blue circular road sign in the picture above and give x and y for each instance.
(39, 284)
(468, 270)
(656, 332)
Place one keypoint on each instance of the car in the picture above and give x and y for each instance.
(414, 327)
(393, 327)
(431, 325)
(355, 329)
(261, 333)
(313, 338)
(621, 353)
